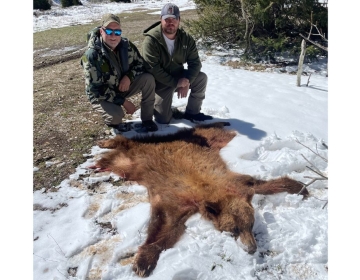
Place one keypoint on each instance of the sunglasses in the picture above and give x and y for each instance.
(109, 31)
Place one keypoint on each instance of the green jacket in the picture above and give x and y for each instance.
(168, 69)
(104, 70)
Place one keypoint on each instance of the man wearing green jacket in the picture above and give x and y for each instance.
(114, 71)
(166, 48)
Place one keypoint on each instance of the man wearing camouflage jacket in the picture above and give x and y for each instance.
(114, 71)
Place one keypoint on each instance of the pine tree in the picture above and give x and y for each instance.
(68, 3)
(41, 4)
(258, 26)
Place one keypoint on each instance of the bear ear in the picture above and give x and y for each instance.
(212, 208)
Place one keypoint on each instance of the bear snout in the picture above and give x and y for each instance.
(247, 239)
(252, 249)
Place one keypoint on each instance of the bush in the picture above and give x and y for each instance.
(265, 45)
(41, 5)
(312, 53)
(258, 26)
(68, 3)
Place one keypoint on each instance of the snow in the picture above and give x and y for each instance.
(271, 114)
(97, 228)
(58, 17)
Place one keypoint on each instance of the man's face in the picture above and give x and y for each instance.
(170, 25)
(111, 40)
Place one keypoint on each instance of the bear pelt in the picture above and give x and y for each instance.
(185, 174)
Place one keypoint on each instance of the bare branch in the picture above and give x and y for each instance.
(324, 159)
(308, 184)
(325, 205)
(314, 43)
(314, 169)
(318, 173)
(317, 178)
(57, 244)
(317, 29)
(45, 259)
(311, 25)
(60, 272)
(307, 84)
(319, 33)
(313, 165)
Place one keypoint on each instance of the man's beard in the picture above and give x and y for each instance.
(170, 30)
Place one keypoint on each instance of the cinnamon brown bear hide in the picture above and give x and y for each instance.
(185, 174)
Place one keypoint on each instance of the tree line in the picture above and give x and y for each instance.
(46, 4)
(259, 27)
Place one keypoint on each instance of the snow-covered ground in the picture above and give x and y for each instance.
(59, 17)
(95, 226)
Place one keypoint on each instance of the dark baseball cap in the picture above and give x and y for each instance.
(109, 18)
(170, 11)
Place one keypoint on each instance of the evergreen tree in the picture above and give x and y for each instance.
(41, 4)
(257, 26)
(68, 3)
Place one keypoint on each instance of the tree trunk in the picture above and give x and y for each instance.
(301, 61)
(246, 35)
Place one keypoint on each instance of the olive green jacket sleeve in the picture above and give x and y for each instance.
(193, 61)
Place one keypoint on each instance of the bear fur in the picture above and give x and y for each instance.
(185, 174)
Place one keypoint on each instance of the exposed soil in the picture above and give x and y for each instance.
(64, 125)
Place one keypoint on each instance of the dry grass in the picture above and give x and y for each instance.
(64, 125)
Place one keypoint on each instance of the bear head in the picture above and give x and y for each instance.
(234, 214)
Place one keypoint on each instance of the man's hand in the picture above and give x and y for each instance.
(183, 82)
(129, 107)
(124, 83)
(183, 91)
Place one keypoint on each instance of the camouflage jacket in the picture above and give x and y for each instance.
(103, 71)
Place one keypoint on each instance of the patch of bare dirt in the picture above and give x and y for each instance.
(64, 125)
(44, 58)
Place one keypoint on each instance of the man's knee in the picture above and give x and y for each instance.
(147, 79)
(202, 77)
(113, 118)
(200, 82)
(112, 114)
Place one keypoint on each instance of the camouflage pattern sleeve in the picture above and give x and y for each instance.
(136, 62)
(96, 83)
